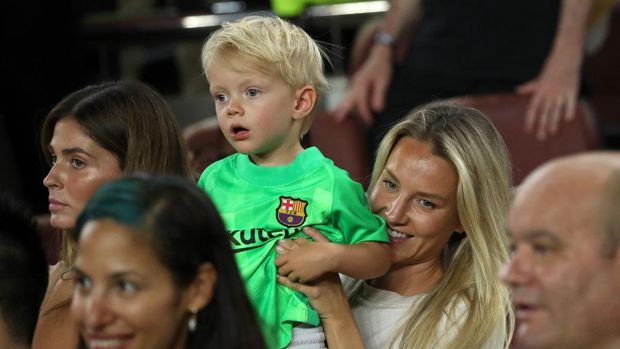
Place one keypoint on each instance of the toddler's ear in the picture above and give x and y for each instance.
(305, 98)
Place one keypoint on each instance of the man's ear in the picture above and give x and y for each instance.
(305, 98)
(202, 288)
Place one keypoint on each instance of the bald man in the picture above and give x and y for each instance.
(565, 266)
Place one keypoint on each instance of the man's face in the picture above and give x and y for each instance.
(566, 290)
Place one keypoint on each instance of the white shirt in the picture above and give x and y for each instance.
(380, 313)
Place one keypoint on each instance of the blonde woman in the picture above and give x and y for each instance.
(441, 181)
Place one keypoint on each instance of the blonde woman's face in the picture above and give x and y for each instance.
(416, 195)
(80, 166)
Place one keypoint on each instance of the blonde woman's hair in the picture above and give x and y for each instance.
(269, 44)
(464, 137)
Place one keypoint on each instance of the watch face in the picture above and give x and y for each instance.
(385, 38)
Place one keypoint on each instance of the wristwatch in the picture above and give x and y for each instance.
(385, 38)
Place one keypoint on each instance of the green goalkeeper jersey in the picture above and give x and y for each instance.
(261, 205)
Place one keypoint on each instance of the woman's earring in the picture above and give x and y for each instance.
(193, 321)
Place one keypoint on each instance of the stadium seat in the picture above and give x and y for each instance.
(507, 112)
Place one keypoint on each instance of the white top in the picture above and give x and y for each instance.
(379, 313)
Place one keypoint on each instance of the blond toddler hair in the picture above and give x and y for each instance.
(269, 44)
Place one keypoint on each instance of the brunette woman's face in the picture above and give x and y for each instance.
(124, 297)
(416, 195)
(79, 167)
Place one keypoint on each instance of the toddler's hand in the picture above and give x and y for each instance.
(301, 260)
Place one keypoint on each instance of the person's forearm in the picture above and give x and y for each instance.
(401, 14)
(572, 30)
(365, 260)
(340, 329)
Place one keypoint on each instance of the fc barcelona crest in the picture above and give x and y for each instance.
(291, 212)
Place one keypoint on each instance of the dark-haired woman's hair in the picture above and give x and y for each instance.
(185, 230)
(130, 120)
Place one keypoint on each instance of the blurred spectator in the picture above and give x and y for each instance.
(133, 288)
(457, 47)
(23, 274)
(564, 269)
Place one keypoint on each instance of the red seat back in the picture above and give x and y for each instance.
(344, 143)
(507, 112)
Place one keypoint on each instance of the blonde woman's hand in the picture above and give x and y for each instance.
(325, 293)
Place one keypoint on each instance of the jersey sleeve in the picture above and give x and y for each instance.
(352, 216)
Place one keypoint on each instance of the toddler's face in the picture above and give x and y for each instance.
(255, 112)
